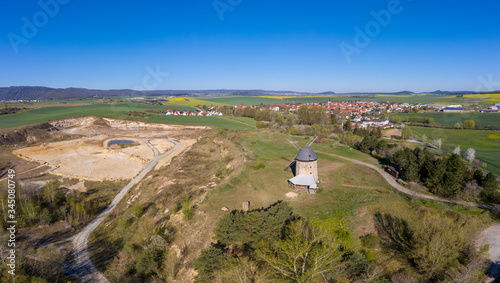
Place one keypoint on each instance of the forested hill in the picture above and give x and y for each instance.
(46, 93)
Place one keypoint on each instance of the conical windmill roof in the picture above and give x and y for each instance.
(306, 154)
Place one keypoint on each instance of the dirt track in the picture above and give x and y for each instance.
(490, 236)
(82, 268)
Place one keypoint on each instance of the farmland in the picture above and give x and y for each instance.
(486, 143)
(190, 101)
(116, 111)
(236, 100)
(449, 119)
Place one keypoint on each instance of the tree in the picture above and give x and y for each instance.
(407, 132)
(52, 193)
(438, 245)
(306, 254)
(470, 155)
(424, 138)
(437, 143)
(395, 119)
(469, 124)
(457, 150)
(430, 121)
(348, 126)
(209, 261)
(457, 125)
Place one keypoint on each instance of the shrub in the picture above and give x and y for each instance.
(138, 211)
(187, 210)
(259, 165)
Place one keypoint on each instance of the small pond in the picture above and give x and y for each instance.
(119, 142)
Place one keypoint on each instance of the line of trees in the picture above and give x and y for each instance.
(424, 120)
(51, 204)
(447, 176)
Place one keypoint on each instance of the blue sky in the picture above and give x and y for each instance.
(275, 45)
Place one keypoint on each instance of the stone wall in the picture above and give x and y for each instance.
(308, 168)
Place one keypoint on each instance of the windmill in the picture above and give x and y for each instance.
(290, 164)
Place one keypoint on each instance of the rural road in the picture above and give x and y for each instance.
(490, 236)
(81, 267)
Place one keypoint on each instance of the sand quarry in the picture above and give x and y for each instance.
(88, 156)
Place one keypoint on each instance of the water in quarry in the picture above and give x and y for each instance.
(119, 142)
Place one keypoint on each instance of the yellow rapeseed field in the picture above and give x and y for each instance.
(191, 101)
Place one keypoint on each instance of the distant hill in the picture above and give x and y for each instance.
(47, 93)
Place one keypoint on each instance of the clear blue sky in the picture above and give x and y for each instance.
(273, 45)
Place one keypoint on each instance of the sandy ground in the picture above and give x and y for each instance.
(86, 159)
(89, 157)
(183, 146)
(392, 133)
(161, 145)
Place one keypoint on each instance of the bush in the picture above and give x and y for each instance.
(261, 125)
(259, 165)
(187, 210)
(210, 260)
(138, 211)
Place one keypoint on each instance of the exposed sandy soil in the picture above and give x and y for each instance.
(85, 159)
(90, 158)
(161, 145)
(392, 133)
(184, 145)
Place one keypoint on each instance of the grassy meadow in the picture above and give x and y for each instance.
(486, 143)
(236, 100)
(449, 119)
(349, 194)
(46, 114)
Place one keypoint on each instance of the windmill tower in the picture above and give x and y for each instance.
(306, 163)
(305, 168)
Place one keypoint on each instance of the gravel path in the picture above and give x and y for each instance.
(81, 267)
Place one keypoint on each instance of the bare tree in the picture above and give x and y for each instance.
(305, 255)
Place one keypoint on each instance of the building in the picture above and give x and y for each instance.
(305, 169)
(492, 109)
(393, 171)
(453, 109)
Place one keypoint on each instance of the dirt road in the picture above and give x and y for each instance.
(81, 267)
(490, 236)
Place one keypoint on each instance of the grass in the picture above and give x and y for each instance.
(486, 143)
(115, 111)
(449, 119)
(349, 194)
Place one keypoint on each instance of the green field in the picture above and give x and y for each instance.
(246, 100)
(449, 119)
(486, 143)
(374, 98)
(41, 115)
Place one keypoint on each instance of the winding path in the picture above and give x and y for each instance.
(490, 236)
(81, 267)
